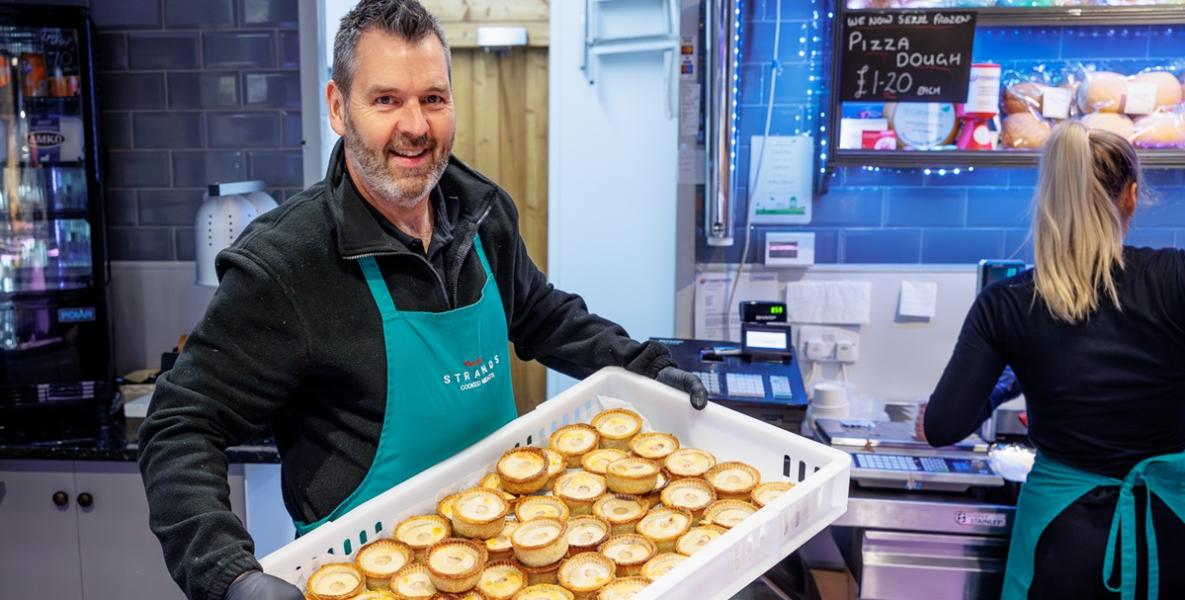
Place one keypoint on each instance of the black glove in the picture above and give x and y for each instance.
(687, 382)
(257, 585)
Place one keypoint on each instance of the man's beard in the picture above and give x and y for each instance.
(407, 187)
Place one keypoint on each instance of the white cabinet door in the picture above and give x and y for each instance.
(121, 558)
(38, 539)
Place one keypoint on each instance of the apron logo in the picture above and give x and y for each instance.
(477, 373)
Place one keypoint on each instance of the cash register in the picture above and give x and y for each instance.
(760, 376)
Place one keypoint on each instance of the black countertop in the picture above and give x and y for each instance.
(105, 443)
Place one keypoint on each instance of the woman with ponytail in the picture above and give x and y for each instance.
(1095, 333)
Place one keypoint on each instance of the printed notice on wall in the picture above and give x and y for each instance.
(780, 178)
(711, 295)
(906, 56)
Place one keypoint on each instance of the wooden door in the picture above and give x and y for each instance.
(501, 103)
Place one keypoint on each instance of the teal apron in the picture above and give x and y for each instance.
(448, 384)
(1052, 487)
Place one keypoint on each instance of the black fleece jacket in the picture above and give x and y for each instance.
(292, 338)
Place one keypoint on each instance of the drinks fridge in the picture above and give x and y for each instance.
(54, 340)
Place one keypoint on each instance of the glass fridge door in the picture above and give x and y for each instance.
(45, 231)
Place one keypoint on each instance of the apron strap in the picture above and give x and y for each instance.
(378, 287)
(481, 254)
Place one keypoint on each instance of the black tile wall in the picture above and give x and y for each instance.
(191, 92)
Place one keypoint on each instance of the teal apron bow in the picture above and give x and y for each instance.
(448, 384)
(1051, 487)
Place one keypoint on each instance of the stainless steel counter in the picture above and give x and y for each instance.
(908, 545)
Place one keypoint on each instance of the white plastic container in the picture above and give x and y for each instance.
(719, 570)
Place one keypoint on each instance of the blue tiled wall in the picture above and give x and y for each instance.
(191, 92)
(907, 216)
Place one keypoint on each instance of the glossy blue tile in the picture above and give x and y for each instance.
(169, 207)
(272, 90)
(289, 52)
(269, 13)
(183, 236)
(1105, 42)
(1155, 179)
(753, 86)
(111, 51)
(826, 246)
(115, 130)
(947, 177)
(1026, 177)
(167, 130)
(758, 42)
(131, 90)
(242, 130)
(1018, 244)
(880, 246)
(999, 207)
(861, 177)
(293, 133)
(849, 208)
(203, 14)
(138, 168)
(125, 14)
(1164, 209)
(201, 168)
(785, 120)
(1142, 237)
(203, 89)
(791, 9)
(793, 83)
(121, 207)
(174, 50)
(925, 207)
(228, 49)
(1167, 42)
(961, 246)
(279, 169)
(1001, 44)
(140, 243)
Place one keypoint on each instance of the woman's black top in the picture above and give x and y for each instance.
(1102, 394)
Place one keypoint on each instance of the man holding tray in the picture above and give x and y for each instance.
(365, 320)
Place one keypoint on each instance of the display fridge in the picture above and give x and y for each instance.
(54, 335)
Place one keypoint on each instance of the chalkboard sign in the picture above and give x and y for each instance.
(906, 56)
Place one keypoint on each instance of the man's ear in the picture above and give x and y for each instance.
(337, 107)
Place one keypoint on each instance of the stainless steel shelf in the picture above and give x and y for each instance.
(996, 16)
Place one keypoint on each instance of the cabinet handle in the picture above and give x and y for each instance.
(85, 500)
(61, 498)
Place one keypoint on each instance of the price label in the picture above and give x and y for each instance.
(906, 56)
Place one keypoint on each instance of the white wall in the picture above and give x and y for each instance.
(899, 360)
(611, 181)
(152, 303)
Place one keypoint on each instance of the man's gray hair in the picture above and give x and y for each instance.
(404, 19)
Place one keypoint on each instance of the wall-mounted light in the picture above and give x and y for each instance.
(501, 38)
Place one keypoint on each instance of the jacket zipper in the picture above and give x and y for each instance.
(440, 288)
(464, 249)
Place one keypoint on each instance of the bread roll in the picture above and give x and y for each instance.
(1112, 122)
(1024, 130)
(1023, 97)
(1168, 89)
(1102, 92)
(1159, 130)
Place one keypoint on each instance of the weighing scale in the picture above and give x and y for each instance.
(885, 454)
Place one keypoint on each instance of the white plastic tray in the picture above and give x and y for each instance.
(718, 571)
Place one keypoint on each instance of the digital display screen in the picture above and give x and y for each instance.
(991, 271)
(766, 340)
(78, 314)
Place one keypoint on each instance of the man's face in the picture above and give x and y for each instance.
(398, 121)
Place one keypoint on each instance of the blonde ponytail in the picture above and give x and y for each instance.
(1077, 225)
